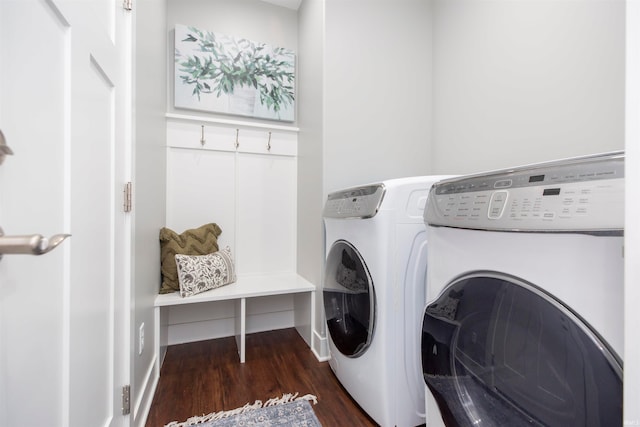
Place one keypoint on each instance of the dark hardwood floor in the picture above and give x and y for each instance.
(203, 377)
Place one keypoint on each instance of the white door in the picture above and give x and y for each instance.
(64, 110)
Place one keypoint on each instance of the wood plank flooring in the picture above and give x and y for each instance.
(203, 377)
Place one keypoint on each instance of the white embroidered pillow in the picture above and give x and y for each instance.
(199, 273)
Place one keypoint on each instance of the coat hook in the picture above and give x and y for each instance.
(269, 143)
(237, 141)
(202, 140)
(4, 148)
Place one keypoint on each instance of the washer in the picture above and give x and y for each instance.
(374, 295)
(524, 316)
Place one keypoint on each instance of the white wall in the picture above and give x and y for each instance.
(377, 91)
(149, 191)
(517, 82)
(310, 235)
(632, 226)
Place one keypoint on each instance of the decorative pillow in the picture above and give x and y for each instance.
(197, 241)
(199, 273)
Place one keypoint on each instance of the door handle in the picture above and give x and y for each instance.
(34, 244)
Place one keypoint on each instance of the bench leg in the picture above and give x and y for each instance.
(241, 326)
(156, 339)
(160, 335)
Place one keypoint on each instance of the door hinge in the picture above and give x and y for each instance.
(127, 4)
(126, 400)
(127, 197)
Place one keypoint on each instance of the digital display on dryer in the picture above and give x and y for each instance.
(551, 191)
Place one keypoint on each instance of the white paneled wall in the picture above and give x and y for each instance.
(201, 189)
(266, 214)
(241, 176)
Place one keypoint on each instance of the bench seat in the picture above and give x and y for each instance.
(245, 286)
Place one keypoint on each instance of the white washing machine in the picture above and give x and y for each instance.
(524, 316)
(374, 295)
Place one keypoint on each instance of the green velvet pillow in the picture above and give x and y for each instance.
(197, 241)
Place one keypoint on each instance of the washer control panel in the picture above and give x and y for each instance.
(358, 202)
(581, 194)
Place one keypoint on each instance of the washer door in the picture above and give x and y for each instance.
(499, 351)
(349, 300)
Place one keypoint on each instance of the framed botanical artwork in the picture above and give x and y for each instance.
(224, 74)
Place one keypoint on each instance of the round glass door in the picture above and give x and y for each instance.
(497, 350)
(349, 300)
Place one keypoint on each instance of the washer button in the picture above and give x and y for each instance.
(497, 203)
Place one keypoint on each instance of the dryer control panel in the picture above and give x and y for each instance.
(581, 194)
(358, 202)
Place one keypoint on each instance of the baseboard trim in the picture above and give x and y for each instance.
(320, 347)
(145, 396)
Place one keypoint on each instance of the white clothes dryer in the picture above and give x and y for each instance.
(374, 295)
(524, 316)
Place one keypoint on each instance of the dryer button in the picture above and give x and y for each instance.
(497, 203)
(504, 183)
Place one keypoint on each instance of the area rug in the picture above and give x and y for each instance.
(286, 411)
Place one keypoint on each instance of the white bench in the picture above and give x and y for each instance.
(249, 286)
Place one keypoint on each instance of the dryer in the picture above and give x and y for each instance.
(373, 295)
(524, 316)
